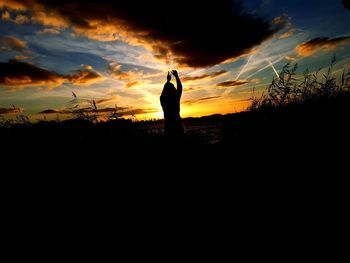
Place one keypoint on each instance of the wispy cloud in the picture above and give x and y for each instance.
(283, 21)
(232, 83)
(117, 73)
(132, 84)
(8, 43)
(201, 100)
(286, 34)
(85, 76)
(207, 76)
(320, 44)
(52, 111)
(135, 77)
(106, 100)
(137, 112)
(49, 30)
(188, 89)
(290, 58)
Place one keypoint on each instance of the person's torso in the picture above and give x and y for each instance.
(171, 106)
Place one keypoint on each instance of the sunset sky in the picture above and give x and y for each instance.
(118, 52)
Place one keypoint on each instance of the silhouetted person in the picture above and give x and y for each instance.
(170, 101)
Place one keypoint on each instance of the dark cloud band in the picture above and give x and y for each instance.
(193, 33)
(19, 74)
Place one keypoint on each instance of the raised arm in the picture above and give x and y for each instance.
(178, 82)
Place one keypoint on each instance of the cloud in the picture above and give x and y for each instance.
(15, 73)
(12, 110)
(6, 16)
(107, 100)
(39, 15)
(49, 19)
(320, 44)
(188, 33)
(86, 76)
(21, 57)
(51, 111)
(8, 43)
(85, 110)
(287, 34)
(291, 58)
(116, 72)
(18, 19)
(136, 112)
(49, 30)
(22, 74)
(211, 75)
(109, 110)
(201, 100)
(133, 78)
(188, 89)
(232, 83)
(137, 83)
(282, 20)
(346, 4)
(21, 19)
(13, 4)
(132, 84)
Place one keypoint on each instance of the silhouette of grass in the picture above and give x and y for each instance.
(286, 89)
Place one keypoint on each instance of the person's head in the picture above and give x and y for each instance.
(169, 87)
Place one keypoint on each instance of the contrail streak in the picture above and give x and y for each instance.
(256, 72)
(244, 67)
(273, 67)
(227, 91)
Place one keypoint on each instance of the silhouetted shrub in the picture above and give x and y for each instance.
(287, 89)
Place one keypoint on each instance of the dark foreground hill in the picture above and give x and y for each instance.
(273, 168)
(279, 167)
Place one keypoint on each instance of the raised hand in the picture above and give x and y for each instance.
(169, 76)
(174, 72)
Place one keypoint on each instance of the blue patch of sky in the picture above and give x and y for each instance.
(327, 17)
